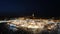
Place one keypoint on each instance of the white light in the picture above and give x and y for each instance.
(30, 26)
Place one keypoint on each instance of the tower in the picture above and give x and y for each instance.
(33, 15)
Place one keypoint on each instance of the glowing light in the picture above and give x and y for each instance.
(34, 24)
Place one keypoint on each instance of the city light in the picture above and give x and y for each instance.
(33, 24)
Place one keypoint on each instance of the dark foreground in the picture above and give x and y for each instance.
(5, 30)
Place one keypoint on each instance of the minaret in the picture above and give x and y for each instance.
(33, 15)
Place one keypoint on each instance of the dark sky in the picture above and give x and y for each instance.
(27, 7)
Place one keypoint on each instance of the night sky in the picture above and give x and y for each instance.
(45, 8)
